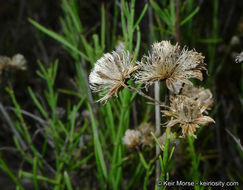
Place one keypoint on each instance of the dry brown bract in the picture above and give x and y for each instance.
(187, 113)
(204, 96)
(109, 74)
(168, 62)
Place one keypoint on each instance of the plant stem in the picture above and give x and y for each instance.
(177, 27)
(157, 128)
(144, 95)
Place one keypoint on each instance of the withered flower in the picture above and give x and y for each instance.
(18, 61)
(167, 62)
(131, 138)
(204, 96)
(187, 113)
(146, 137)
(109, 74)
(239, 58)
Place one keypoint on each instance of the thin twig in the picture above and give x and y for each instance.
(12, 127)
(235, 139)
(46, 163)
(21, 141)
(146, 96)
(9, 149)
(40, 120)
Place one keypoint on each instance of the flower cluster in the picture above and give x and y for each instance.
(165, 62)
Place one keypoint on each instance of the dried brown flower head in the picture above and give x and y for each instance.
(188, 113)
(131, 138)
(146, 137)
(239, 58)
(17, 62)
(168, 62)
(109, 74)
(204, 96)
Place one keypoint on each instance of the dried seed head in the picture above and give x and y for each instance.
(131, 138)
(239, 58)
(146, 137)
(204, 96)
(188, 113)
(17, 62)
(120, 47)
(109, 74)
(168, 62)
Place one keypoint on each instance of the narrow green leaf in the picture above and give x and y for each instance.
(160, 12)
(37, 103)
(140, 17)
(156, 140)
(41, 178)
(110, 121)
(67, 181)
(124, 29)
(189, 17)
(143, 161)
(172, 14)
(75, 17)
(57, 37)
(210, 40)
(171, 153)
(6, 169)
(97, 144)
(166, 149)
(102, 27)
(35, 162)
(79, 163)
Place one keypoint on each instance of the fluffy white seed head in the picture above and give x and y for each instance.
(131, 138)
(109, 74)
(167, 62)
